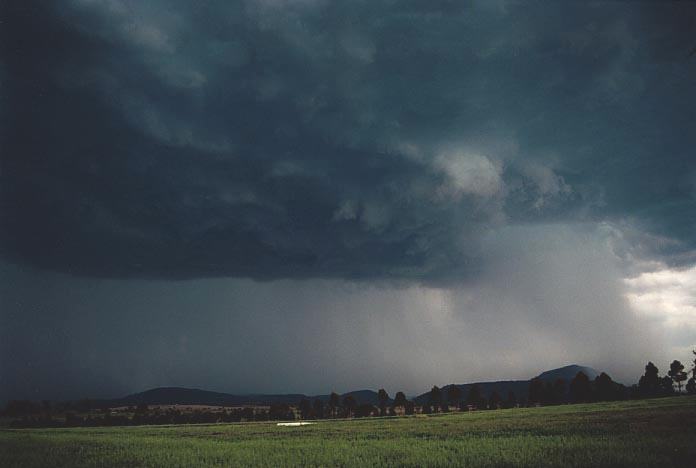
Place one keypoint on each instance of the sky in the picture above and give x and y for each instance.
(276, 196)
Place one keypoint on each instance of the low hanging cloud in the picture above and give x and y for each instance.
(550, 295)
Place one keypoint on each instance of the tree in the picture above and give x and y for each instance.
(548, 397)
(691, 386)
(604, 387)
(334, 403)
(383, 397)
(495, 402)
(559, 391)
(409, 408)
(649, 383)
(536, 391)
(454, 394)
(580, 390)
(435, 397)
(475, 398)
(305, 408)
(318, 407)
(365, 410)
(511, 400)
(400, 399)
(666, 385)
(350, 404)
(676, 372)
(693, 366)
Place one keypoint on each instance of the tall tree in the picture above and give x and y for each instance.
(649, 383)
(454, 394)
(350, 404)
(666, 385)
(318, 407)
(511, 400)
(383, 398)
(604, 387)
(334, 403)
(435, 397)
(536, 391)
(400, 399)
(495, 402)
(305, 408)
(676, 372)
(559, 391)
(475, 398)
(580, 389)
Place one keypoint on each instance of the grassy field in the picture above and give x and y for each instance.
(660, 432)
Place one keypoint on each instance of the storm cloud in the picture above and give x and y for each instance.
(407, 185)
(292, 139)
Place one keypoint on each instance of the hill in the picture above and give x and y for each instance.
(519, 387)
(568, 373)
(192, 396)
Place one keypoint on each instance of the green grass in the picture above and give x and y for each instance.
(636, 433)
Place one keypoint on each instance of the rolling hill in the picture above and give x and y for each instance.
(519, 387)
(192, 396)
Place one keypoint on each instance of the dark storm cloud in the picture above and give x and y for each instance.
(310, 138)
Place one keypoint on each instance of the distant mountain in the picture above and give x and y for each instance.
(519, 387)
(192, 396)
(568, 373)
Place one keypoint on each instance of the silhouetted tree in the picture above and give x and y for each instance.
(426, 409)
(334, 403)
(580, 390)
(691, 386)
(559, 391)
(667, 385)
(349, 404)
(604, 387)
(536, 391)
(454, 394)
(548, 396)
(365, 410)
(278, 411)
(494, 402)
(400, 399)
(676, 372)
(305, 408)
(475, 398)
(649, 384)
(435, 397)
(409, 408)
(383, 397)
(511, 400)
(318, 408)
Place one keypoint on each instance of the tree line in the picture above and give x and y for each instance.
(580, 389)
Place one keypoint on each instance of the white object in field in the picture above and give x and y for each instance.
(303, 423)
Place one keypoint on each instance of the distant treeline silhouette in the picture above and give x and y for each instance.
(580, 389)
